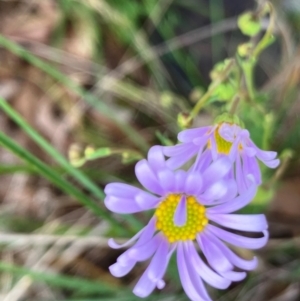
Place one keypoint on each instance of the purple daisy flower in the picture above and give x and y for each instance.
(221, 140)
(191, 209)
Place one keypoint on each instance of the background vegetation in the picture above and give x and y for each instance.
(86, 87)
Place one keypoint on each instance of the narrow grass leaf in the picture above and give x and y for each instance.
(56, 179)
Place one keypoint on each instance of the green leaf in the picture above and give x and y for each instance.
(248, 24)
(225, 91)
(219, 68)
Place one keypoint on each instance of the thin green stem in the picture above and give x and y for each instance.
(285, 159)
(248, 69)
(201, 102)
(268, 34)
(234, 104)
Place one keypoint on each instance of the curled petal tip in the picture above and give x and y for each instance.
(160, 284)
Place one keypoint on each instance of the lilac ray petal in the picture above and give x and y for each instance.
(152, 276)
(235, 204)
(186, 281)
(216, 171)
(148, 232)
(167, 180)
(180, 215)
(189, 135)
(121, 190)
(203, 161)
(159, 262)
(272, 163)
(250, 166)
(242, 222)
(144, 286)
(240, 176)
(178, 149)
(239, 262)
(234, 276)
(147, 177)
(245, 135)
(131, 199)
(180, 176)
(230, 193)
(161, 269)
(234, 151)
(193, 183)
(214, 257)
(198, 161)
(227, 132)
(178, 161)
(145, 251)
(146, 201)
(118, 270)
(156, 157)
(143, 235)
(230, 175)
(238, 240)
(196, 280)
(119, 205)
(160, 284)
(171, 251)
(206, 273)
(249, 151)
(213, 148)
(263, 155)
(215, 191)
(123, 259)
(201, 141)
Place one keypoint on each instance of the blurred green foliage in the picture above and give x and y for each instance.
(138, 27)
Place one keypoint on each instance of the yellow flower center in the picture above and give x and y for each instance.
(195, 218)
(223, 146)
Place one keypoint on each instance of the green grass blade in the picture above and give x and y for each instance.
(47, 147)
(58, 280)
(130, 132)
(56, 179)
(12, 168)
(58, 157)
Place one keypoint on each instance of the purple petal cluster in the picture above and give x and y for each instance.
(193, 210)
(221, 140)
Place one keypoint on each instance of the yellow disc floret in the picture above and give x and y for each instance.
(195, 221)
(223, 146)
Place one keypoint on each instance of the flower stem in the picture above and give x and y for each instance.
(248, 68)
(234, 104)
(268, 34)
(201, 102)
